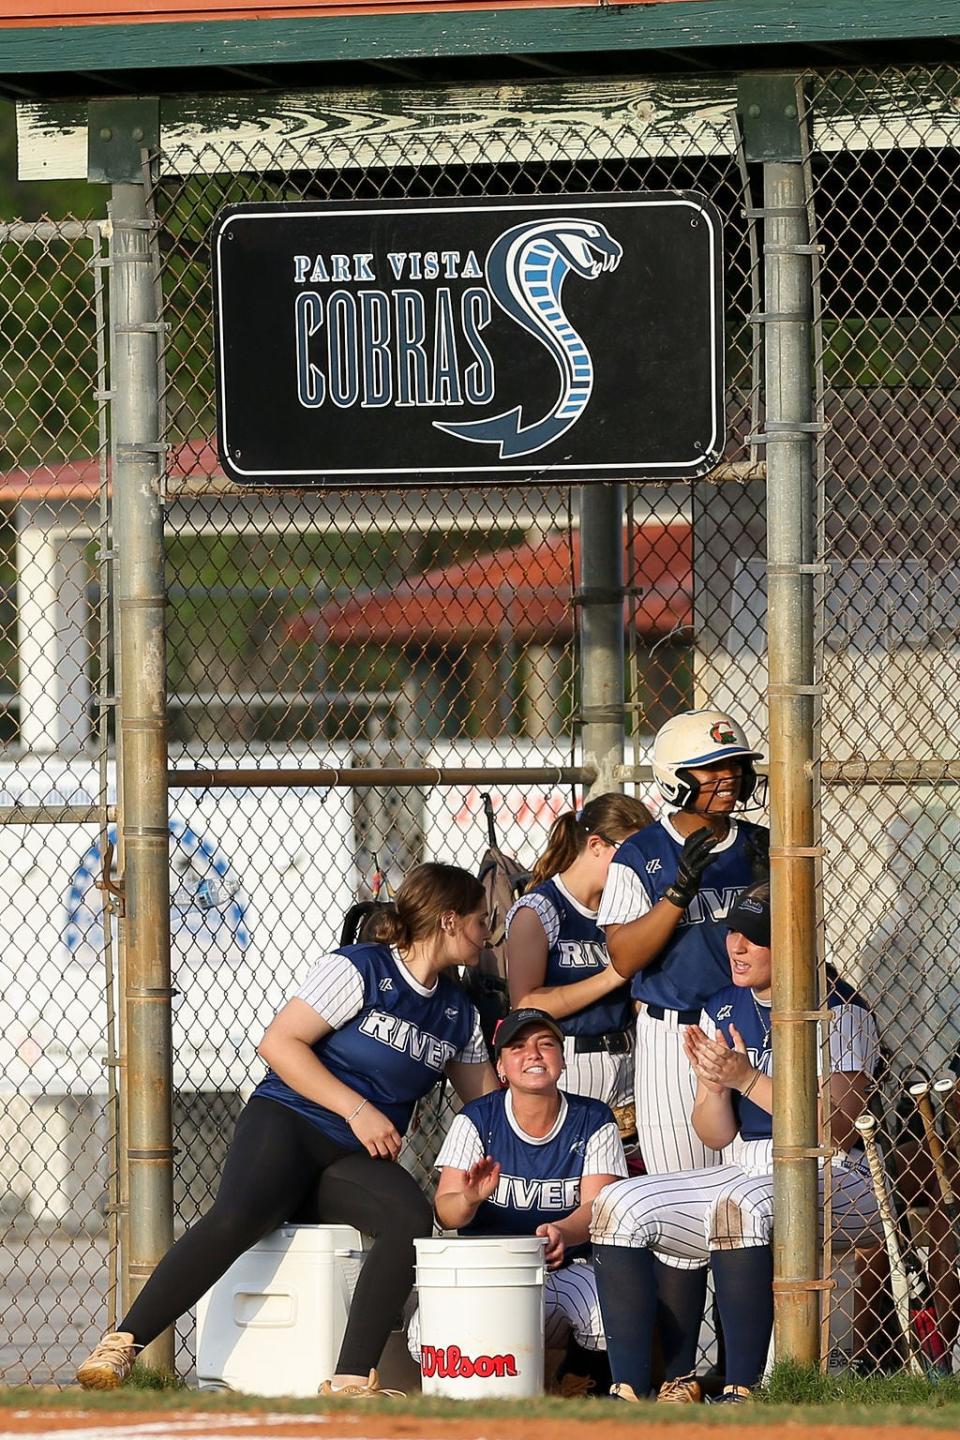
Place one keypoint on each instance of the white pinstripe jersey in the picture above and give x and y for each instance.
(576, 949)
(693, 965)
(539, 1177)
(392, 1037)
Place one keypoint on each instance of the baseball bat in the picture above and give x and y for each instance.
(945, 1089)
(866, 1125)
(920, 1093)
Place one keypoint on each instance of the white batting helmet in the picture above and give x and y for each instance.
(691, 740)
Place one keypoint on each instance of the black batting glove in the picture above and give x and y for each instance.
(694, 859)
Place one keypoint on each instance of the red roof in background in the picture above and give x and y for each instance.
(80, 479)
(521, 593)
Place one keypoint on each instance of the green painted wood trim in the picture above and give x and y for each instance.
(62, 49)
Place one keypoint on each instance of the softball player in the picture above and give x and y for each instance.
(654, 1237)
(371, 1030)
(557, 957)
(530, 1160)
(668, 891)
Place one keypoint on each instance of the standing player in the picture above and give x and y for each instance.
(557, 957)
(371, 1030)
(663, 909)
(530, 1160)
(652, 1232)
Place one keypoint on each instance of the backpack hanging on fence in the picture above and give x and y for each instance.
(504, 880)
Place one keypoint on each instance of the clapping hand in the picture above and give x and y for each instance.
(717, 1065)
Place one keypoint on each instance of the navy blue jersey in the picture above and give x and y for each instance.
(539, 1180)
(693, 965)
(576, 950)
(853, 1042)
(393, 1049)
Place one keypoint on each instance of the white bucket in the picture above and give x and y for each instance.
(272, 1325)
(481, 1316)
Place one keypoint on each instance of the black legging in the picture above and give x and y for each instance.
(280, 1165)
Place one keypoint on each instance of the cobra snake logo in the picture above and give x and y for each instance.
(525, 270)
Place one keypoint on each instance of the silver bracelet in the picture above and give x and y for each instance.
(351, 1118)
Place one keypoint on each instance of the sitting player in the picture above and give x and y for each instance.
(654, 1237)
(527, 1139)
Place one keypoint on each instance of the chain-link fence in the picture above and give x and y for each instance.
(883, 187)
(59, 1157)
(399, 633)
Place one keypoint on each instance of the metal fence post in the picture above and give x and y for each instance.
(771, 112)
(601, 633)
(142, 725)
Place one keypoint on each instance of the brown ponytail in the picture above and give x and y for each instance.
(611, 816)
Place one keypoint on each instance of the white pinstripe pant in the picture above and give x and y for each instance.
(683, 1216)
(570, 1304)
(598, 1074)
(665, 1088)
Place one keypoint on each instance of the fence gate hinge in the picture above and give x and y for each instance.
(768, 106)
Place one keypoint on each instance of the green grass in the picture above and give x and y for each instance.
(794, 1393)
(792, 1384)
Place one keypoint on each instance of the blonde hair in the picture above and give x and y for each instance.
(612, 816)
(427, 893)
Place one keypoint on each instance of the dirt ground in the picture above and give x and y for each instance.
(147, 1425)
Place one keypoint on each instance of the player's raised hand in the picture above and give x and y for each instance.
(481, 1180)
(555, 1247)
(376, 1133)
(694, 859)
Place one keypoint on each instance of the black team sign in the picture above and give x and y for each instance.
(485, 341)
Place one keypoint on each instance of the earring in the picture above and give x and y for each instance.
(501, 1077)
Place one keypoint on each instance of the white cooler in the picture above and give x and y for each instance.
(272, 1325)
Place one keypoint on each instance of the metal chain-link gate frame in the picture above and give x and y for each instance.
(415, 633)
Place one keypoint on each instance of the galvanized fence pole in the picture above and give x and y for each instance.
(602, 634)
(142, 741)
(790, 610)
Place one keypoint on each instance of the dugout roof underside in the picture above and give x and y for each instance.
(71, 48)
